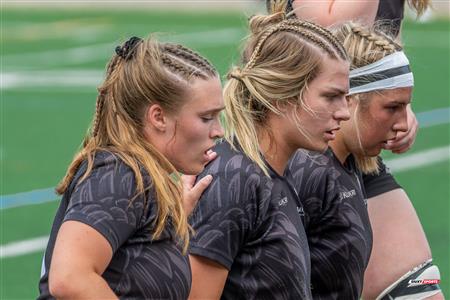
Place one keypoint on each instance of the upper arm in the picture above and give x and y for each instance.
(79, 249)
(396, 230)
(208, 278)
(107, 202)
(331, 12)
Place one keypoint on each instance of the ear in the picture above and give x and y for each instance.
(284, 106)
(156, 117)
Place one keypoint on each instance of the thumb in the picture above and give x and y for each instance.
(201, 186)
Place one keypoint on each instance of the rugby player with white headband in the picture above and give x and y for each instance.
(330, 184)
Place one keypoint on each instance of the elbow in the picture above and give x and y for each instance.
(62, 286)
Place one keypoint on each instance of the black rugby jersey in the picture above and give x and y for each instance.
(251, 224)
(380, 183)
(141, 268)
(336, 222)
(391, 11)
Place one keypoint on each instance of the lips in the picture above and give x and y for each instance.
(331, 134)
(207, 153)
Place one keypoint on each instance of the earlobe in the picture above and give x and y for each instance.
(155, 117)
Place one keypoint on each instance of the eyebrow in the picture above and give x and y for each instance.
(213, 110)
(401, 102)
(335, 90)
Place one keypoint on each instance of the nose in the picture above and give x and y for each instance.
(217, 130)
(401, 123)
(342, 113)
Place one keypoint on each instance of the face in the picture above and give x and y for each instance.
(378, 120)
(325, 106)
(195, 126)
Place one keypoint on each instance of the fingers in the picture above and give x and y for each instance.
(404, 140)
(198, 189)
(211, 155)
(191, 192)
(188, 181)
(401, 144)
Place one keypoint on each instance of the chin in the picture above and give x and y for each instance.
(318, 146)
(192, 170)
(373, 152)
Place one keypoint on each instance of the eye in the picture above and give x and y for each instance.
(394, 108)
(334, 97)
(207, 119)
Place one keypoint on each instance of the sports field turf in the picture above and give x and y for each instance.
(52, 61)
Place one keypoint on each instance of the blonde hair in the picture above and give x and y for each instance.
(280, 58)
(364, 46)
(420, 6)
(148, 73)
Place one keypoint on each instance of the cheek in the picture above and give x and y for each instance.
(193, 134)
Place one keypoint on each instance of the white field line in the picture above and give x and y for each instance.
(420, 159)
(60, 78)
(397, 165)
(79, 55)
(23, 247)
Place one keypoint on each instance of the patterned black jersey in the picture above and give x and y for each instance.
(141, 268)
(252, 225)
(336, 222)
(380, 183)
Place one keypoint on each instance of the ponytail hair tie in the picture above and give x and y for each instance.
(126, 51)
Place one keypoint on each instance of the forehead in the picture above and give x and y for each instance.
(400, 95)
(202, 93)
(334, 71)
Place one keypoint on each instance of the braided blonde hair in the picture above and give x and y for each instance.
(280, 58)
(156, 73)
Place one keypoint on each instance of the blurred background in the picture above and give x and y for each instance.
(53, 56)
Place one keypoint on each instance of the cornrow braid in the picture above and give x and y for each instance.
(190, 56)
(325, 33)
(111, 75)
(378, 40)
(297, 28)
(170, 61)
(98, 111)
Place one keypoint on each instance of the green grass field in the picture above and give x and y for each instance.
(52, 61)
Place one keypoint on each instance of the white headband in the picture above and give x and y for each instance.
(390, 72)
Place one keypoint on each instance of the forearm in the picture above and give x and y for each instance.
(80, 286)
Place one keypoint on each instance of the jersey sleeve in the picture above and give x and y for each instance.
(224, 217)
(315, 185)
(377, 184)
(107, 202)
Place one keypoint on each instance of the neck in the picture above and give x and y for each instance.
(275, 150)
(339, 148)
